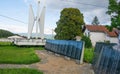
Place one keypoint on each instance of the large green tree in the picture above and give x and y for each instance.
(70, 24)
(95, 21)
(114, 12)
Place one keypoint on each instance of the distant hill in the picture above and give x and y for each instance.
(5, 33)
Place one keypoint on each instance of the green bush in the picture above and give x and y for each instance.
(88, 55)
(87, 40)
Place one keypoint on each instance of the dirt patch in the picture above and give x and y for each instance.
(52, 64)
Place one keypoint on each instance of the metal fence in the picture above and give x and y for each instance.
(72, 49)
(107, 59)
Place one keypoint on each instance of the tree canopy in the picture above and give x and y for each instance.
(70, 24)
(5, 33)
(114, 12)
(95, 21)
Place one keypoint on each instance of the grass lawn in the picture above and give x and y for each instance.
(17, 55)
(5, 43)
(19, 71)
(88, 55)
(39, 48)
(35, 47)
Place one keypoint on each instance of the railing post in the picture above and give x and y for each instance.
(82, 54)
(78, 38)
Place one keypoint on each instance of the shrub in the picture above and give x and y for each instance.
(88, 55)
(87, 40)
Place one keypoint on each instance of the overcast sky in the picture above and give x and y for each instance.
(19, 9)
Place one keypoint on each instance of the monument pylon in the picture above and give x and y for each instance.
(38, 20)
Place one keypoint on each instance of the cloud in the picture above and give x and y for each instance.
(34, 1)
(100, 13)
(89, 8)
(25, 1)
(13, 28)
(82, 4)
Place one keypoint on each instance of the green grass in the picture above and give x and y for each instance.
(5, 43)
(17, 55)
(38, 48)
(10, 54)
(20, 71)
(88, 55)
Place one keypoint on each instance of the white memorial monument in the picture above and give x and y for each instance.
(38, 20)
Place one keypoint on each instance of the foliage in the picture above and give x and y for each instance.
(5, 33)
(114, 12)
(87, 40)
(95, 21)
(32, 47)
(70, 24)
(109, 27)
(20, 71)
(17, 55)
(88, 55)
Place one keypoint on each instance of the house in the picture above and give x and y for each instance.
(99, 33)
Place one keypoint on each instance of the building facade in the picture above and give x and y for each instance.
(98, 33)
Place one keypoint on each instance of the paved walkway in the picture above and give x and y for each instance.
(52, 64)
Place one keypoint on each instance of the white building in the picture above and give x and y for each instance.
(98, 33)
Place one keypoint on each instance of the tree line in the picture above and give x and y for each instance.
(5, 33)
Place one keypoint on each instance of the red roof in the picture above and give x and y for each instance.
(100, 28)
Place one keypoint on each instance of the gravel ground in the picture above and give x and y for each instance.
(52, 64)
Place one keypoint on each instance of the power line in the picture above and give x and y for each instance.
(12, 19)
(61, 0)
(86, 4)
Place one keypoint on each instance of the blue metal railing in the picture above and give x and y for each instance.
(72, 49)
(107, 59)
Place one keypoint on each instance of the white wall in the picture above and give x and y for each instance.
(113, 40)
(100, 37)
(97, 37)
